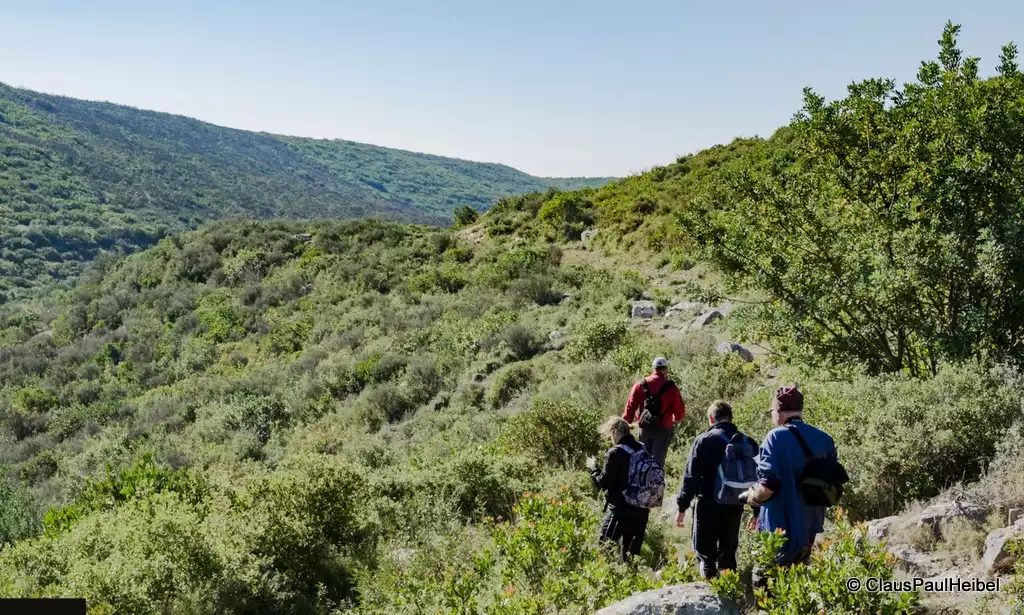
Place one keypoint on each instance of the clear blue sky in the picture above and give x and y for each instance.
(553, 87)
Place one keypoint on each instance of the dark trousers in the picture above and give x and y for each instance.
(759, 576)
(657, 440)
(716, 535)
(627, 528)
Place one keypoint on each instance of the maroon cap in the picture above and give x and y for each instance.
(788, 399)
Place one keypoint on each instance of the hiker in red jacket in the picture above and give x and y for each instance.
(657, 410)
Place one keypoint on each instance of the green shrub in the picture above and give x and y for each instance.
(820, 587)
(556, 433)
(510, 382)
(594, 339)
(535, 289)
(521, 342)
(464, 215)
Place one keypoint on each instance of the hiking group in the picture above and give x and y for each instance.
(788, 481)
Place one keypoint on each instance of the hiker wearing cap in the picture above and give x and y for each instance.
(721, 468)
(632, 486)
(784, 454)
(656, 404)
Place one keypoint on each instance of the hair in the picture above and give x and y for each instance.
(720, 410)
(614, 425)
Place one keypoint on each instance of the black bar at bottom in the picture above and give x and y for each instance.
(42, 606)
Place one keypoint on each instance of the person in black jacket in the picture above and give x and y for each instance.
(623, 524)
(716, 527)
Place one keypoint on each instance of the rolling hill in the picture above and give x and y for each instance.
(80, 177)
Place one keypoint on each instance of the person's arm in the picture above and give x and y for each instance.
(695, 469)
(678, 405)
(768, 472)
(633, 403)
(604, 478)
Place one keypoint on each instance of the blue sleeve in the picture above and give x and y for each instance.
(768, 466)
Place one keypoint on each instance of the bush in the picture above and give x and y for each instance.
(821, 586)
(556, 433)
(464, 215)
(510, 382)
(521, 342)
(534, 289)
(594, 339)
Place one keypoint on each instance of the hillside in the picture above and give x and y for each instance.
(374, 418)
(80, 177)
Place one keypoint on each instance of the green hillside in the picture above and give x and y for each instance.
(370, 417)
(79, 177)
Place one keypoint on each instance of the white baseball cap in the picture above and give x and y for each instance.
(660, 362)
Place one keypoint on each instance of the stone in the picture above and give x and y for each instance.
(912, 561)
(302, 237)
(555, 335)
(588, 234)
(727, 347)
(936, 514)
(879, 529)
(706, 319)
(685, 308)
(687, 599)
(997, 558)
(564, 297)
(643, 309)
(1014, 514)
(558, 343)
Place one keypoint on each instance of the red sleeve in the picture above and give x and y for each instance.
(680, 406)
(633, 404)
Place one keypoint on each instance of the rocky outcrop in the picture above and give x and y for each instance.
(879, 529)
(997, 558)
(706, 319)
(643, 309)
(688, 599)
(915, 562)
(937, 514)
(684, 308)
(743, 353)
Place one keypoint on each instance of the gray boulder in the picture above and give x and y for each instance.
(727, 347)
(644, 309)
(914, 562)
(936, 514)
(879, 529)
(997, 558)
(688, 599)
(706, 319)
(684, 308)
(588, 234)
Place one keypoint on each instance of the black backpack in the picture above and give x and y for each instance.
(822, 479)
(651, 415)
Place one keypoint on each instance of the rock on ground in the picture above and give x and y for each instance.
(879, 529)
(644, 309)
(935, 514)
(588, 234)
(743, 353)
(706, 319)
(688, 599)
(914, 562)
(685, 308)
(997, 558)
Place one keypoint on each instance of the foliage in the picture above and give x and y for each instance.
(556, 433)
(887, 233)
(822, 586)
(81, 179)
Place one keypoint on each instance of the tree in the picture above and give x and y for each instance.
(888, 232)
(465, 215)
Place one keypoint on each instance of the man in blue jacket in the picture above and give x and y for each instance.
(778, 493)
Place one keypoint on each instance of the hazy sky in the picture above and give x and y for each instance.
(554, 88)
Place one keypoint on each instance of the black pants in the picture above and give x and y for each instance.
(627, 528)
(716, 535)
(657, 440)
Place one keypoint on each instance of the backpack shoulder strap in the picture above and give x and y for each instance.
(799, 438)
(643, 385)
(625, 448)
(664, 387)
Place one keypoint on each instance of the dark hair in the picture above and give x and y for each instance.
(720, 410)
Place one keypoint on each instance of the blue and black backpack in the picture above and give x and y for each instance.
(738, 470)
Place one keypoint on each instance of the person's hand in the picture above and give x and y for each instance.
(680, 518)
(752, 524)
(591, 463)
